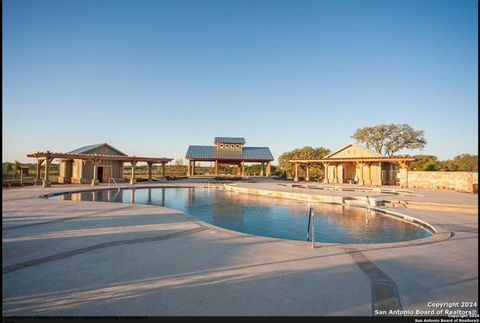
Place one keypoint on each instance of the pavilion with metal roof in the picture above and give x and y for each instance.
(92, 164)
(229, 151)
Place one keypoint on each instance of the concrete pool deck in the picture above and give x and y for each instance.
(110, 259)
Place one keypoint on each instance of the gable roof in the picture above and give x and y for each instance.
(86, 149)
(368, 151)
(230, 140)
(212, 153)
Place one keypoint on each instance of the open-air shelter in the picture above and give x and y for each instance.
(355, 164)
(228, 151)
(92, 164)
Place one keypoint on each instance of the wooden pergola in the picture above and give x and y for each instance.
(361, 161)
(48, 157)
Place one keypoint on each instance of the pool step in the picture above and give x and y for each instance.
(431, 206)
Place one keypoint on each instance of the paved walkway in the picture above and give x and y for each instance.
(97, 258)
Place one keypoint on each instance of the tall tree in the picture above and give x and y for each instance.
(302, 153)
(17, 165)
(387, 139)
(8, 166)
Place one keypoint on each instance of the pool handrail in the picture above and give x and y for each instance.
(113, 179)
(311, 223)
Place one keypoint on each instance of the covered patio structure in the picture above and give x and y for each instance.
(356, 165)
(92, 164)
(228, 151)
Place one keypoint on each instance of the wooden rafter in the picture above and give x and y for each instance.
(96, 157)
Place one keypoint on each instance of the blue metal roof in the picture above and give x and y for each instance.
(212, 153)
(88, 148)
(230, 140)
(85, 148)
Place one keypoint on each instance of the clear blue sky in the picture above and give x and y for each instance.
(152, 77)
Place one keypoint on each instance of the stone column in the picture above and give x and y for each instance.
(164, 172)
(38, 178)
(296, 173)
(360, 180)
(325, 173)
(132, 178)
(95, 173)
(82, 165)
(307, 169)
(149, 172)
(261, 169)
(269, 169)
(403, 174)
(46, 181)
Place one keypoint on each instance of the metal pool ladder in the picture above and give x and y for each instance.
(311, 224)
(113, 179)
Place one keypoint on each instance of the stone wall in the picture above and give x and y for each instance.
(458, 181)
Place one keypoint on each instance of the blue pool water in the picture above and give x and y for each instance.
(266, 216)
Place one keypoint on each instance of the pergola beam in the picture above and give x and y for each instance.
(44, 155)
(265, 165)
(399, 159)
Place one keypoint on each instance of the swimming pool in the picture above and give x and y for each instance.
(266, 216)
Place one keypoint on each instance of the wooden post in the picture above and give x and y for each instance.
(261, 169)
(369, 170)
(164, 172)
(193, 168)
(132, 178)
(335, 176)
(243, 168)
(38, 179)
(216, 167)
(268, 168)
(296, 172)
(189, 166)
(149, 171)
(307, 177)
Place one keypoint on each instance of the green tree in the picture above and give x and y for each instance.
(179, 167)
(387, 139)
(302, 153)
(425, 162)
(8, 166)
(461, 163)
(17, 165)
